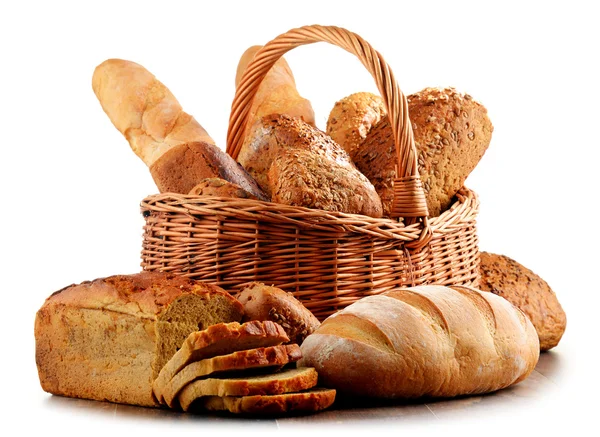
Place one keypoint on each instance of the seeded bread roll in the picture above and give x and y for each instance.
(352, 118)
(183, 167)
(220, 188)
(299, 165)
(505, 277)
(451, 131)
(263, 302)
(431, 341)
(108, 339)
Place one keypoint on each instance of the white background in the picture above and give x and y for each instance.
(71, 186)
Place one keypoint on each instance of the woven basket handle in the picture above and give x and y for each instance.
(409, 198)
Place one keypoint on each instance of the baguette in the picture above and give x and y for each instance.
(108, 339)
(143, 109)
(432, 341)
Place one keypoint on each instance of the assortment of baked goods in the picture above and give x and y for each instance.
(163, 340)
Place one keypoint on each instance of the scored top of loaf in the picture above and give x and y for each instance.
(144, 294)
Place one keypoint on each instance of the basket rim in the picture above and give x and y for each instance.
(464, 208)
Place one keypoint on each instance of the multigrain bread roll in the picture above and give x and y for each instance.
(108, 339)
(505, 277)
(221, 188)
(452, 132)
(432, 341)
(352, 118)
(299, 165)
(183, 167)
(264, 302)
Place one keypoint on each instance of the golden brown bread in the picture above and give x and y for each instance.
(143, 109)
(183, 167)
(276, 94)
(299, 165)
(352, 117)
(451, 131)
(107, 339)
(430, 341)
(219, 339)
(285, 381)
(516, 283)
(222, 365)
(308, 401)
(263, 302)
(220, 188)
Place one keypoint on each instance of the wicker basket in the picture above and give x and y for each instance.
(328, 260)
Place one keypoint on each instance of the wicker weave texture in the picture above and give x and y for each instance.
(328, 260)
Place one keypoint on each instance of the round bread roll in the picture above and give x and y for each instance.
(220, 188)
(352, 118)
(262, 302)
(432, 341)
(505, 277)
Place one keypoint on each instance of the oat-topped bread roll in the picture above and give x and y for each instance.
(352, 118)
(516, 283)
(264, 302)
(297, 164)
(431, 341)
(109, 338)
(452, 132)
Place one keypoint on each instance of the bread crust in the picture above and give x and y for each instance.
(263, 302)
(258, 358)
(107, 339)
(429, 341)
(308, 401)
(143, 109)
(183, 167)
(451, 130)
(285, 381)
(352, 117)
(220, 188)
(527, 291)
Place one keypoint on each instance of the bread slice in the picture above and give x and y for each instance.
(108, 339)
(264, 357)
(220, 339)
(286, 381)
(309, 401)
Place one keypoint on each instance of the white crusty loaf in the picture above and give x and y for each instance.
(432, 341)
(108, 339)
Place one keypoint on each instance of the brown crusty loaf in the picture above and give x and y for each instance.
(299, 165)
(308, 401)
(183, 167)
(263, 302)
(244, 360)
(143, 109)
(432, 341)
(108, 339)
(220, 188)
(451, 131)
(220, 339)
(527, 291)
(352, 117)
(285, 381)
